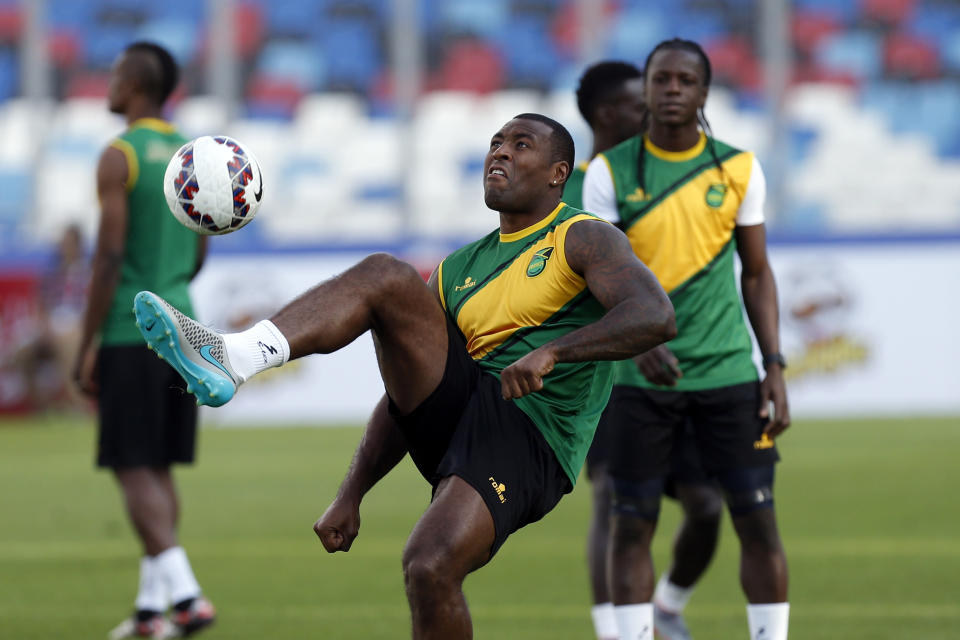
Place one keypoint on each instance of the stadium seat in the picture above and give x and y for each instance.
(887, 12)
(530, 54)
(470, 65)
(10, 23)
(9, 74)
(808, 28)
(63, 47)
(734, 63)
(854, 52)
(104, 43)
(950, 52)
(482, 19)
(200, 115)
(910, 57)
(293, 18)
(843, 10)
(352, 54)
(88, 85)
(272, 98)
(178, 36)
(635, 34)
(296, 61)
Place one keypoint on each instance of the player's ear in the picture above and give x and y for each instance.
(559, 173)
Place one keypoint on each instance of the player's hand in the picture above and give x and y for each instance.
(773, 390)
(85, 370)
(659, 366)
(526, 374)
(339, 525)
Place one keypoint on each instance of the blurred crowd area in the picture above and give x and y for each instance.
(867, 140)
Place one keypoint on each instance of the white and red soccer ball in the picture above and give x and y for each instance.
(213, 185)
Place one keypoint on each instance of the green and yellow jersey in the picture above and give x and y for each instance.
(573, 187)
(161, 254)
(681, 224)
(511, 293)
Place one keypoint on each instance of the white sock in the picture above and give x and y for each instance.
(260, 347)
(604, 622)
(635, 621)
(669, 596)
(768, 621)
(177, 576)
(151, 595)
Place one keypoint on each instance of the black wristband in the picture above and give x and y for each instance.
(774, 358)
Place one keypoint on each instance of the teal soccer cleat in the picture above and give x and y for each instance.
(670, 626)
(196, 352)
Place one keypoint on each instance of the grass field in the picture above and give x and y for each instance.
(867, 511)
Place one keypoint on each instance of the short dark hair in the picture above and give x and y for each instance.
(599, 82)
(560, 139)
(157, 81)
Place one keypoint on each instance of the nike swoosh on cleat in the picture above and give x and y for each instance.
(205, 354)
(150, 326)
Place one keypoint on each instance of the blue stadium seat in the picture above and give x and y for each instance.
(17, 184)
(531, 56)
(178, 36)
(351, 50)
(300, 62)
(857, 53)
(929, 109)
(636, 33)
(103, 44)
(293, 18)
(935, 22)
(178, 9)
(844, 10)
(8, 74)
(484, 19)
(70, 13)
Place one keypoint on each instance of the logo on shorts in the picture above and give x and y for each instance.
(539, 262)
(499, 488)
(765, 442)
(469, 282)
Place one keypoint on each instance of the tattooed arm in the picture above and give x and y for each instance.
(639, 313)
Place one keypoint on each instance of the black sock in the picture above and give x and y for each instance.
(145, 614)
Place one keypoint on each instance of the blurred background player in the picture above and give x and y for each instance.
(497, 416)
(146, 422)
(687, 201)
(610, 99)
(46, 361)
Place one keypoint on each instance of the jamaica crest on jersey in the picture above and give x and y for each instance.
(539, 262)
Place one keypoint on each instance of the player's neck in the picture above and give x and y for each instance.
(140, 110)
(603, 140)
(513, 221)
(673, 138)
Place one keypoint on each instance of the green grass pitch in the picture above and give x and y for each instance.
(868, 512)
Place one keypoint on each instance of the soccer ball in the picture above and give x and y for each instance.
(213, 185)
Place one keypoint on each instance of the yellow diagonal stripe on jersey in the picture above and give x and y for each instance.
(488, 318)
(685, 232)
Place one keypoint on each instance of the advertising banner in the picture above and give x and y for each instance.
(868, 329)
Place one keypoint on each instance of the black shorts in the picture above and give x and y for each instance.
(685, 465)
(466, 429)
(146, 417)
(648, 425)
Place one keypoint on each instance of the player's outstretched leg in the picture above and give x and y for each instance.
(196, 352)
(380, 293)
